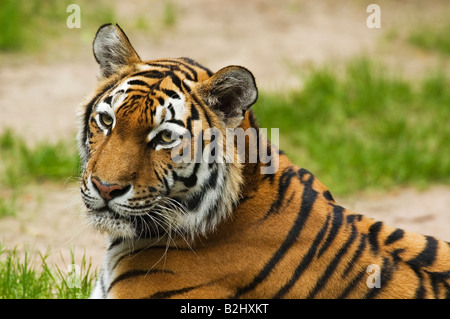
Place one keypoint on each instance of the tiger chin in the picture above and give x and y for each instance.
(191, 212)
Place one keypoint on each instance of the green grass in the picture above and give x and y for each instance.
(364, 128)
(21, 165)
(170, 14)
(22, 277)
(27, 25)
(432, 37)
(8, 205)
(156, 21)
(11, 31)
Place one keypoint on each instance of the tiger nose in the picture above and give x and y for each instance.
(109, 191)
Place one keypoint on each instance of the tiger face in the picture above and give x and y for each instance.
(140, 118)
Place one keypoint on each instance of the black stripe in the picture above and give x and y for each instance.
(304, 173)
(166, 184)
(188, 65)
(328, 196)
(160, 101)
(212, 180)
(386, 271)
(357, 255)
(195, 63)
(151, 74)
(420, 291)
(136, 273)
(135, 90)
(175, 65)
(170, 293)
(336, 225)
(176, 81)
(87, 115)
(207, 117)
(149, 108)
(352, 285)
(138, 251)
(189, 181)
(171, 94)
(175, 121)
(427, 256)
(194, 112)
(174, 292)
(116, 242)
(143, 118)
(163, 64)
(438, 278)
(193, 202)
(396, 255)
(118, 260)
(157, 176)
(186, 88)
(333, 265)
(171, 109)
(283, 184)
(306, 260)
(308, 199)
(374, 230)
(138, 82)
(131, 104)
(352, 217)
(434, 281)
(108, 100)
(394, 236)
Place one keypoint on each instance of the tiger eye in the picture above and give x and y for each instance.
(166, 136)
(106, 119)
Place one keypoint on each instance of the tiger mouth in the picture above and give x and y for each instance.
(143, 225)
(107, 213)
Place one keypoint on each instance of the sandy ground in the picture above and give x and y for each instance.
(275, 40)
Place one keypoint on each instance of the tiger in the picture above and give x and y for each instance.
(229, 227)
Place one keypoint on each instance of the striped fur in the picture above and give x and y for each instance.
(223, 229)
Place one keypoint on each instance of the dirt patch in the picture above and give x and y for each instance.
(425, 212)
(51, 220)
(275, 40)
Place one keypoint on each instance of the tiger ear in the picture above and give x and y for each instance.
(231, 90)
(113, 50)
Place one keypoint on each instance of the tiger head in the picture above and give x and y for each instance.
(142, 116)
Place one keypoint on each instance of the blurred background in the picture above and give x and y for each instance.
(367, 110)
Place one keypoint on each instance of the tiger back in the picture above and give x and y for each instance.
(197, 203)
